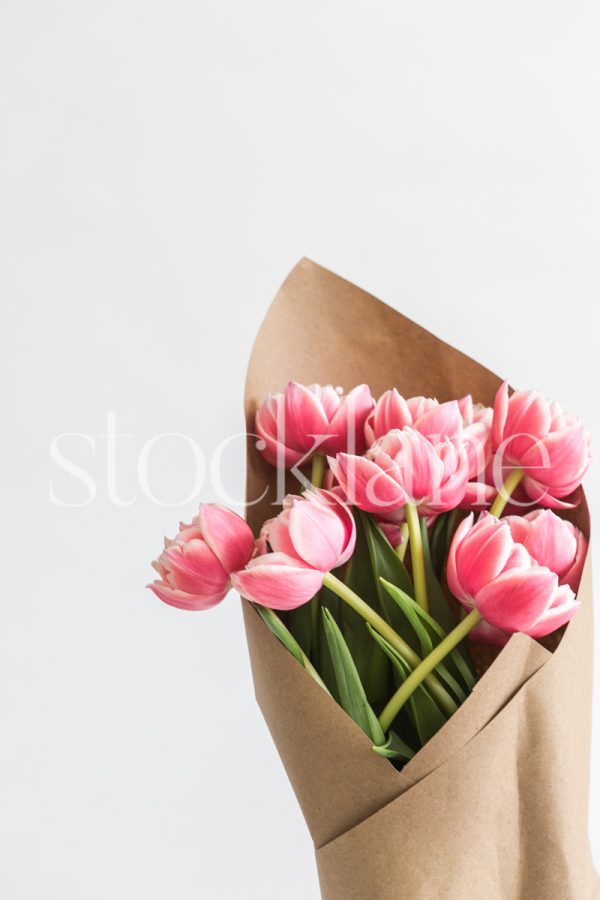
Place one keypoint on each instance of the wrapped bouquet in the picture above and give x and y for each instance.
(417, 603)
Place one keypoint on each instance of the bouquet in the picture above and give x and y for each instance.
(417, 603)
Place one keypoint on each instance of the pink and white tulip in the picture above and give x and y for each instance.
(454, 419)
(305, 419)
(196, 566)
(552, 449)
(490, 571)
(551, 542)
(425, 414)
(404, 467)
(312, 535)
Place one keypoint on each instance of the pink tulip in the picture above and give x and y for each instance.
(404, 467)
(552, 449)
(195, 568)
(424, 414)
(455, 419)
(308, 418)
(552, 542)
(312, 535)
(489, 571)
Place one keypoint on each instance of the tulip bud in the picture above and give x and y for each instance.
(305, 419)
(489, 571)
(195, 568)
(312, 535)
(552, 542)
(404, 467)
(455, 419)
(552, 449)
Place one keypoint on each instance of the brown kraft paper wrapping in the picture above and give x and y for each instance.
(495, 806)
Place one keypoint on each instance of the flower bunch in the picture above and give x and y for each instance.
(374, 574)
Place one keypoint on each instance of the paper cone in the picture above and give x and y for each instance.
(495, 806)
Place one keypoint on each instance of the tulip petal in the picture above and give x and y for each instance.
(477, 495)
(277, 581)
(562, 610)
(528, 418)
(269, 424)
(559, 460)
(441, 421)
(305, 420)
(391, 411)
(278, 535)
(346, 430)
(425, 470)
(477, 443)
(517, 599)
(539, 493)
(334, 500)
(418, 406)
(317, 535)
(183, 600)
(365, 484)
(465, 404)
(330, 400)
(499, 417)
(454, 583)
(227, 534)
(572, 576)
(194, 568)
(483, 554)
(551, 542)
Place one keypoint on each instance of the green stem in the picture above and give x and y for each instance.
(416, 555)
(386, 631)
(401, 549)
(505, 492)
(318, 470)
(422, 672)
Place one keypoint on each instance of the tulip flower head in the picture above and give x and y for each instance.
(196, 566)
(490, 571)
(404, 467)
(305, 419)
(552, 449)
(552, 542)
(312, 535)
(455, 419)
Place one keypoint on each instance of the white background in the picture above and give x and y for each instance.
(163, 165)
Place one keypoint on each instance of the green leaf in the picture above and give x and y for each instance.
(384, 560)
(438, 545)
(373, 665)
(276, 626)
(430, 634)
(384, 563)
(395, 748)
(424, 712)
(299, 624)
(351, 692)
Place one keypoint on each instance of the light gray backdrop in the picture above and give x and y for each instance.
(163, 165)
